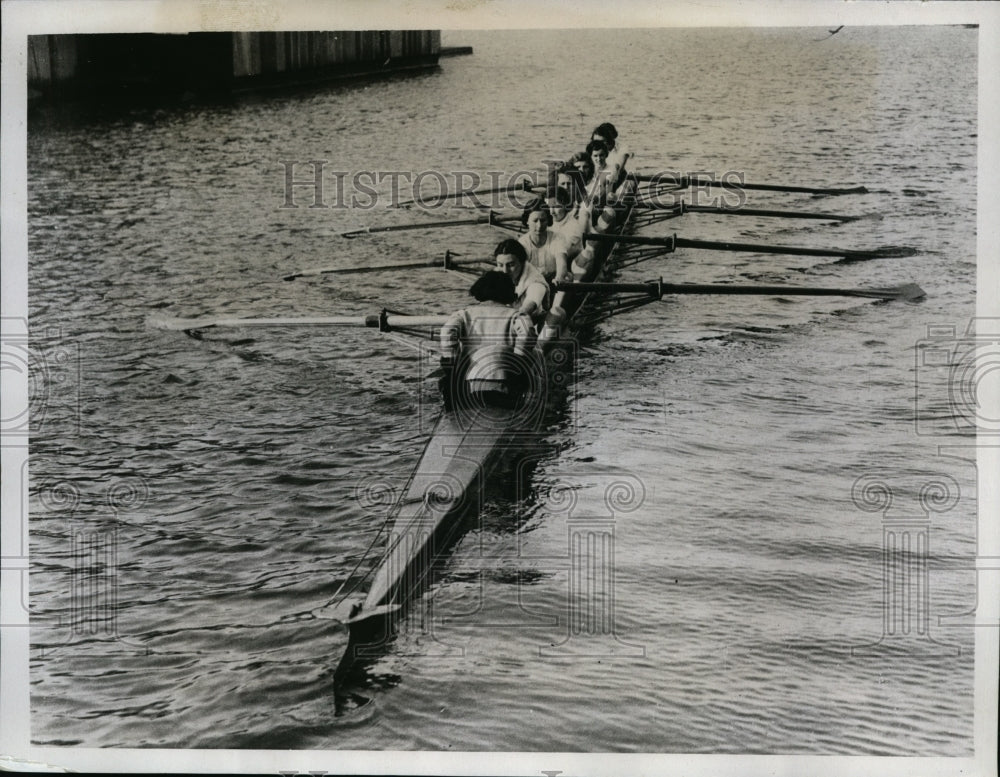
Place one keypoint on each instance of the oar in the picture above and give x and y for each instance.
(374, 320)
(490, 218)
(673, 242)
(446, 263)
(680, 208)
(522, 185)
(685, 181)
(909, 291)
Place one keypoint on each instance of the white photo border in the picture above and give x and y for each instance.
(27, 17)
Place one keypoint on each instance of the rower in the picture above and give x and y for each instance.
(598, 152)
(544, 250)
(572, 181)
(605, 175)
(569, 222)
(531, 291)
(558, 201)
(606, 133)
(584, 166)
(488, 346)
(617, 153)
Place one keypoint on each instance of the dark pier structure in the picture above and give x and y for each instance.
(220, 62)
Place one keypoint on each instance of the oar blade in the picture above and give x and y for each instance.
(488, 218)
(373, 320)
(447, 262)
(673, 242)
(658, 289)
(685, 181)
(766, 212)
(208, 322)
(826, 192)
(909, 292)
(885, 252)
(175, 324)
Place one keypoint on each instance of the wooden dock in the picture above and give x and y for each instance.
(221, 62)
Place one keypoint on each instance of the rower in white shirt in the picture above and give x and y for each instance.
(487, 348)
(618, 154)
(569, 221)
(531, 290)
(598, 151)
(544, 250)
(604, 181)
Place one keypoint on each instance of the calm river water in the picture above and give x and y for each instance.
(196, 504)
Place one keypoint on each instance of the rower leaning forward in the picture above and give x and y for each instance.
(488, 349)
(531, 290)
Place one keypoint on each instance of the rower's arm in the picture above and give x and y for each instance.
(534, 297)
(523, 338)
(555, 252)
(450, 338)
(523, 335)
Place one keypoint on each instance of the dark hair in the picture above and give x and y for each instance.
(608, 132)
(494, 286)
(559, 194)
(594, 145)
(582, 157)
(511, 246)
(540, 206)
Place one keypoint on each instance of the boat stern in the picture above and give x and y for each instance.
(368, 631)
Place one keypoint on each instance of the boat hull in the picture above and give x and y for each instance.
(465, 448)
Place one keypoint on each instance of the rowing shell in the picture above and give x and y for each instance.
(466, 447)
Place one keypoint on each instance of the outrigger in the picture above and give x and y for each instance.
(468, 442)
